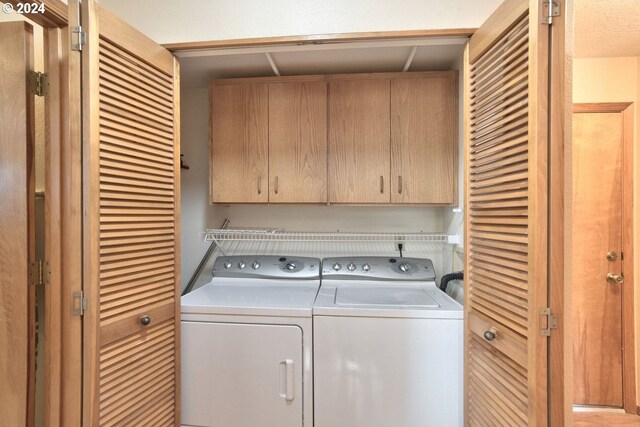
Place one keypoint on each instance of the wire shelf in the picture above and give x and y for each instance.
(278, 235)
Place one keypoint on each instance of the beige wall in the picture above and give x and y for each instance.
(616, 80)
(167, 21)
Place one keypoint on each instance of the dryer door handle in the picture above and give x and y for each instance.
(286, 379)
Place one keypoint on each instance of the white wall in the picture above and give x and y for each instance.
(616, 80)
(168, 21)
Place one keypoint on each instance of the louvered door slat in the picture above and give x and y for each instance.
(506, 214)
(131, 369)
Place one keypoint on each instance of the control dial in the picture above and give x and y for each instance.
(227, 264)
(404, 267)
(290, 266)
(255, 265)
(351, 266)
(242, 265)
(366, 267)
(337, 266)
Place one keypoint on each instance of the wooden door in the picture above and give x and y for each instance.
(507, 219)
(131, 226)
(424, 123)
(359, 126)
(239, 143)
(17, 248)
(597, 251)
(298, 142)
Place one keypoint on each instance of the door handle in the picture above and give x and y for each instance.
(614, 278)
(612, 256)
(399, 184)
(381, 184)
(259, 185)
(276, 185)
(286, 379)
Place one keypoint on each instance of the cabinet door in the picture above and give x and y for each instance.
(237, 375)
(239, 143)
(423, 139)
(298, 142)
(359, 158)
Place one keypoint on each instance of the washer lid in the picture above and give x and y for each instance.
(376, 299)
(384, 296)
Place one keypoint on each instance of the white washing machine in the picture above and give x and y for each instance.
(388, 346)
(247, 344)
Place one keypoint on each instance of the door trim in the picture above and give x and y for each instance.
(628, 333)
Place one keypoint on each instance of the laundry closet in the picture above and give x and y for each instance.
(388, 154)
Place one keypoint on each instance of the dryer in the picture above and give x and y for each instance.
(388, 346)
(247, 344)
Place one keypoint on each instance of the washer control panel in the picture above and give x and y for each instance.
(267, 267)
(378, 268)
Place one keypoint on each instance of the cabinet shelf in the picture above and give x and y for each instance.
(279, 235)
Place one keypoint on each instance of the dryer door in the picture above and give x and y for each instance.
(237, 375)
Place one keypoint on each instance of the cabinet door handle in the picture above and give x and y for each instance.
(259, 185)
(399, 184)
(381, 184)
(276, 185)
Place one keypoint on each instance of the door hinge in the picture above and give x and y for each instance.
(80, 38)
(80, 303)
(38, 83)
(39, 273)
(552, 322)
(550, 9)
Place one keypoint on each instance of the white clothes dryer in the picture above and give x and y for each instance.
(388, 346)
(247, 344)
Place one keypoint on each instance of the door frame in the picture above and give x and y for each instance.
(628, 328)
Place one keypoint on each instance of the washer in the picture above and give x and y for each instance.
(247, 344)
(388, 346)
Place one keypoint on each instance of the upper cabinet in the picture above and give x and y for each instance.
(298, 142)
(359, 124)
(424, 138)
(239, 162)
(347, 139)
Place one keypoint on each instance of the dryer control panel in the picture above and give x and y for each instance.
(378, 268)
(267, 267)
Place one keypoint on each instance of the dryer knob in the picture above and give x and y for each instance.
(242, 265)
(255, 265)
(404, 267)
(351, 266)
(227, 264)
(337, 266)
(366, 267)
(291, 266)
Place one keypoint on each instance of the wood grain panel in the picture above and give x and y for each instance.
(298, 142)
(131, 227)
(239, 165)
(506, 219)
(597, 229)
(359, 141)
(16, 220)
(424, 139)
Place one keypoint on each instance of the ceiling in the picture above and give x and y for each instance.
(197, 68)
(607, 28)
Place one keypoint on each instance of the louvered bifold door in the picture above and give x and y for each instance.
(131, 196)
(506, 219)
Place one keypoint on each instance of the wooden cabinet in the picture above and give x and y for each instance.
(352, 139)
(239, 143)
(359, 157)
(298, 142)
(424, 139)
